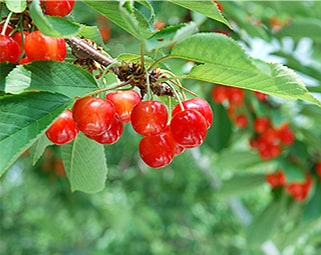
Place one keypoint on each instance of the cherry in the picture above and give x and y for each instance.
(236, 96)
(9, 29)
(41, 47)
(149, 117)
(57, 8)
(241, 121)
(93, 116)
(188, 128)
(112, 135)
(261, 124)
(124, 102)
(20, 39)
(260, 96)
(63, 130)
(318, 168)
(276, 179)
(157, 150)
(9, 49)
(198, 104)
(219, 94)
(285, 134)
(300, 190)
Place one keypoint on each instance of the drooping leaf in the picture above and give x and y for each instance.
(38, 148)
(221, 60)
(123, 15)
(52, 26)
(85, 164)
(206, 7)
(53, 76)
(16, 5)
(22, 120)
(240, 184)
(265, 223)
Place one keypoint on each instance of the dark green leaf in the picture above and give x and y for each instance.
(5, 68)
(38, 148)
(60, 77)
(85, 164)
(23, 118)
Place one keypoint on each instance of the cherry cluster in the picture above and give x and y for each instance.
(23, 46)
(298, 190)
(103, 121)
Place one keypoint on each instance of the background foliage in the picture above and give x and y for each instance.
(214, 198)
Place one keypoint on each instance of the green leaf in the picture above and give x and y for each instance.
(266, 223)
(302, 27)
(17, 6)
(205, 7)
(5, 68)
(52, 26)
(85, 164)
(221, 60)
(38, 148)
(23, 118)
(127, 17)
(53, 76)
(170, 35)
(240, 184)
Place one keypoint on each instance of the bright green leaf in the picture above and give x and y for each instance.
(17, 6)
(85, 164)
(52, 26)
(221, 60)
(265, 223)
(129, 19)
(53, 76)
(22, 120)
(240, 184)
(205, 7)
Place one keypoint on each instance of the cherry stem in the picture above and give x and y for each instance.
(101, 90)
(3, 32)
(158, 61)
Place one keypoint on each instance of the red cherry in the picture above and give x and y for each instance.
(198, 104)
(57, 8)
(260, 96)
(276, 179)
(261, 124)
(286, 135)
(300, 190)
(112, 135)
(149, 117)
(9, 29)
(93, 116)
(41, 47)
(20, 39)
(9, 49)
(241, 121)
(188, 128)
(63, 130)
(220, 94)
(318, 168)
(235, 96)
(124, 102)
(157, 150)
(24, 60)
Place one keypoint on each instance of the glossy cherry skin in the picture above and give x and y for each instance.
(124, 102)
(198, 104)
(112, 135)
(9, 29)
(188, 128)
(157, 150)
(9, 49)
(149, 117)
(20, 39)
(219, 94)
(93, 116)
(57, 8)
(41, 47)
(63, 130)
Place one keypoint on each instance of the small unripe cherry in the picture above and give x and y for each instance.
(149, 117)
(93, 116)
(198, 104)
(188, 128)
(124, 102)
(157, 150)
(63, 130)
